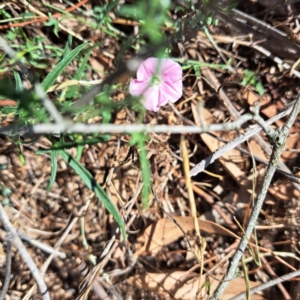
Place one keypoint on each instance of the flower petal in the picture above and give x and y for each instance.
(147, 68)
(151, 98)
(137, 88)
(156, 95)
(149, 94)
(170, 70)
(170, 92)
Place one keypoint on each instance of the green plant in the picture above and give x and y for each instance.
(54, 62)
(251, 79)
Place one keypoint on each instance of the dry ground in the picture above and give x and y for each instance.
(159, 259)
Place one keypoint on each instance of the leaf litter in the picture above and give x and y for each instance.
(158, 261)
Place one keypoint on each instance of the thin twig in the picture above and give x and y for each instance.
(7, 268)
(57, 246)
(268, 284)
(215, 45)
(68, 127)
(48, 104)
(235, 114)
(276, 59)
(237, 141)
(44, 18)
(24, 254)
(278, 140)
(200, 241)
(129, 66)
(44, 247)
(97, 285)
(272, 273)
(6, 48)
(210, 76)
(236, 41)
(292, 178)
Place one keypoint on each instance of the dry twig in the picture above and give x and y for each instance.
(278, 139)
(24, 253)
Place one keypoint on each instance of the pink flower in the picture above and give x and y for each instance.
(159, 81)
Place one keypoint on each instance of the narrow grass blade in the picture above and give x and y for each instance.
(52, 76)
(18, 80)
(79, 148)
(53, 169)
(138, 139)
(95, 187)
(73, 89)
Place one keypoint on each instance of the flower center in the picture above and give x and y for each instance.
(155, 80)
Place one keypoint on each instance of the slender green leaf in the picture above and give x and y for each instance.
(53, 22)
(197, 72)
(53, 169)
(19, 85)
(138, 139)
(79, 148)
(95, 187)
(145, 168)
(68, 46)
(20, 154)
(67, 145)
(78, 75)
(52, 76)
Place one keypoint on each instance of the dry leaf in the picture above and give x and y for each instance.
(213, 144)
(183, 285)
(165, 232)
(256, 150)
(98, 66)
